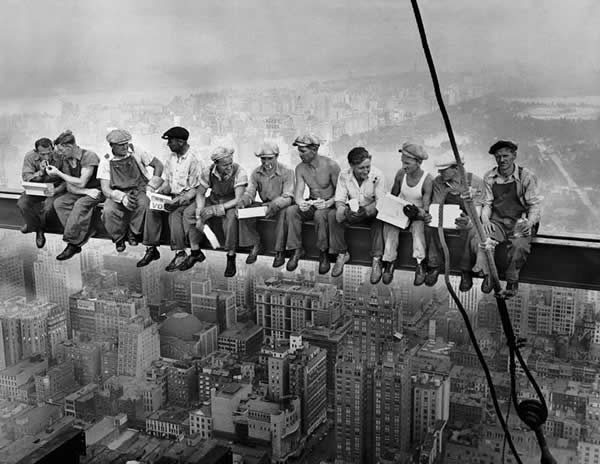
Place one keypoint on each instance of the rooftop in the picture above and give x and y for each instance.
(241, 331)
(173, 414)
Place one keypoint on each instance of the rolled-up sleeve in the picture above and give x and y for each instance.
(103, 169)
(241, 178)
(531, 196)
(380, 188)
(250, 192)
(29, 169)
(204, 178)
(341, 190)
(288, 184)
(195, 173)
(166, 174)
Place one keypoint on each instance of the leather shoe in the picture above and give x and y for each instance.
(132, 239)
(431, 277)
(376, 271)
(512, 288)
(388, 272)
(120, 246)
(69, 252)
(253, 256)
(324, 264)
(24, 229)
(177, 260)
(190, 260)
(466, 281)
(486, 285)
(292, 263)
(419, 275)
(151, 255)
(279, 259)
(338, 267)
(40, 239)
(230, 269)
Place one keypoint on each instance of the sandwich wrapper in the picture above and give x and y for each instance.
(39, 189)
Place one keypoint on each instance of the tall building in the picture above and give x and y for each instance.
(85, 357)
(278, 368)
(182, 384)
(139, 345)
(56, 382)
(12, 277)
(144, 280)
(353, 278)
(564, 310)
(286, 306)
(469, 300)
(209, 305)
(307, 380)
(431, 403)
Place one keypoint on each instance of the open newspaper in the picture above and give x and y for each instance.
(390, 210)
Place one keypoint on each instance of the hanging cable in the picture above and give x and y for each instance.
(532, 412)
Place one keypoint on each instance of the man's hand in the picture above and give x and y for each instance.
(304, 206)
(463, 221)
(323, 204)
(49, 191)
(488, 227)
(426, 216)
(94, 193)
(523, 227)
(272, 209)
(212, 211)
(128, 202)
(172, 204)
(52, 170)
(340, 214)
(164, 188)
(154, 183)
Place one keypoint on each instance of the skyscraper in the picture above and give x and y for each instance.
(139, 345)
(145, 280)
(431, 402)
(12, 277)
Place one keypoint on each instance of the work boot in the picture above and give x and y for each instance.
(69, 252)
(324, 264)
(338, 267)
(279, 259)
(512, 288)
(466, 281)
(253, 256)
(486, 285)
(25, 229)
(292, 263)
(419, 275)
(132, 239)
(376, 270)
(196, 256)
(151, 255)
(388, 272)
(120, 246)
(431, 277)
(177, 261)
(40, 239)
(230, 269)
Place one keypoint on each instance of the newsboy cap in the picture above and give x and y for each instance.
(414, 151)
(306, 140)
(445, 161)
(267, 149)
(220, 153)
(502, 144)
(176, 132)
(118, 136)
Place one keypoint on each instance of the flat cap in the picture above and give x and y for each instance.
(502, 144)
(445, 161)
(306, 140)
(267, 149)
(220, 153)
(176, 132)
(414, 151)
(118, 136)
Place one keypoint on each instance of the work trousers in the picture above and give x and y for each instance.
(391, 236)
(249, 235)
(295, 218)
(178, 227)
(228, 224)
(337, 233)
(118, 220)
(517, 248)
(75, 213)
(467, 246)
(35, 210)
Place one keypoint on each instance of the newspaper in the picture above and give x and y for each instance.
(157, 201)
(451, 213)
(390, 210)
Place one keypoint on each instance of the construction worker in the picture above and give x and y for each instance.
(415, 186)
(37, 209)
(447, 189)
(227, 182)
(181, 178)
(511, 214)
(124, 178)
(274, 183)
(320, 175)
(357, 192)
(76, 207)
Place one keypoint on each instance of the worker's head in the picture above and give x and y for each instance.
(65, 143)
(223, 159)
(359, 160)
(177, 139)
(44, 147)
(447, 167)
(268, 154)
(119, 141)
(505, 153)
(412, 157)
(308, 147)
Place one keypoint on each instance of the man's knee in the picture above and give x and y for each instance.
(521, 245)
(322, 215)
(292, 212)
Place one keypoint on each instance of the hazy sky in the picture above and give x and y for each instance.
(62, 46)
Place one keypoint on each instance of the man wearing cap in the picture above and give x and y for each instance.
(320, 174)
(356, 194)
(447, 189)
(227, 182)
(75, 208)
(511, 213)
(274, 183)
(37, 209)
(181, 178)
(124, 177)
(415, 186)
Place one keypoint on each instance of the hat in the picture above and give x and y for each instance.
(414, 151)
(446, 161)
(306, 140)
(118, 136)
(220, 153)
(267, 149)
(502, 144)
(176, 133)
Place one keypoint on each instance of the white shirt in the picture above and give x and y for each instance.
(183, 172)
(371, 189)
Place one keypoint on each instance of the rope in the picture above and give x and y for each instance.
(532, 412)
